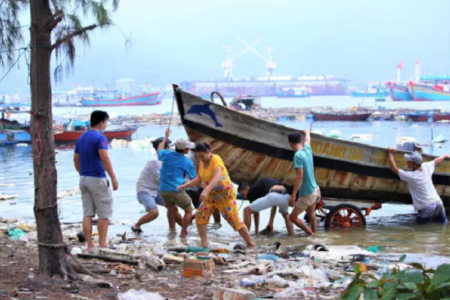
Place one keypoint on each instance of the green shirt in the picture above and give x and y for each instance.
(304, 159)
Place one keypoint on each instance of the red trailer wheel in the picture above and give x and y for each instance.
(345, 215)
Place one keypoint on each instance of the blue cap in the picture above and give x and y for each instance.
(415, 158)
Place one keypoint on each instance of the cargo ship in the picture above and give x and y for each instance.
(326, 85)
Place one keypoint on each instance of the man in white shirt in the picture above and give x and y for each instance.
(147, 188)
(425, 198)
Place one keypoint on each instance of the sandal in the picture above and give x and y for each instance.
(136, 230)
(267, 230)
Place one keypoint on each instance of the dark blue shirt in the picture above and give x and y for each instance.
(175, 167)
(87, 147)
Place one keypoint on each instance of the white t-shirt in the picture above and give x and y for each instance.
(149, 179)
(421, 186)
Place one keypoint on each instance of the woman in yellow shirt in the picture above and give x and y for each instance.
(219, 193)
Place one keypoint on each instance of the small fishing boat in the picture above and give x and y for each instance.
(340, 116)
(11, 137)
(245, 102)
(144, 99)
(73, 136)
(252, 149)
(295, 92)
(399, 92)
(374, 89)
(429, 92)
(423, 116)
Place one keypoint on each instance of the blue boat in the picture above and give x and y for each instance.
(425, 92)
(144, 99)
(11, 137)
(295, 92)
(399, 92)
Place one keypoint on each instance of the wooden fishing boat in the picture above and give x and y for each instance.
(340, 116)
(253, 149)
(73, 136)
(145, 99)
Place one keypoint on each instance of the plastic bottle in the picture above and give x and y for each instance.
(268, 257)
(250, 283)
(384, 269)
(192, 249)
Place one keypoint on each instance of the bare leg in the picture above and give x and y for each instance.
(294, 219)
(248, 217)
(87, 228)
(216, 216)
(178, 217)
(203, 235)
(289, 224)
(102, 226)
(273, 212)
(311, 212)
(246, 236)
(256, 219)
(147, 218)
(171, 219)
(186, 221)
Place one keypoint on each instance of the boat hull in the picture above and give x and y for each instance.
(400, 93)
(427, 93)
(424, 117)
(73, 136)
(253, 149)
(148, 99)
(340, 117)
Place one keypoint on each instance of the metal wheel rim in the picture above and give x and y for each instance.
(346, 217)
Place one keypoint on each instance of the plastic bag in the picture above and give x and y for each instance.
(140, 295)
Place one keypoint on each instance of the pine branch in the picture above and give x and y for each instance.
(57, 17)
(71, 35)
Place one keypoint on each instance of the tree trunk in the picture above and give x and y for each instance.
(52, 252)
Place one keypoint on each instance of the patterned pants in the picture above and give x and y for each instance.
(227, 205)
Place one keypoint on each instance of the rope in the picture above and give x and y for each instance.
(171, 114)
(52, 245)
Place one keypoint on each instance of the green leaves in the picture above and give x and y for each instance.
(413, 284)
(441, 275)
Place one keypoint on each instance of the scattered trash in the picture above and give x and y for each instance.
(139, 295)
(198, 268)
(15, 234)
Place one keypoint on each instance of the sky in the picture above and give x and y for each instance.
(181, 40)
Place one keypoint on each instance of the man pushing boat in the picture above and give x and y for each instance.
(426, 200)
(305, 186)
(264, 194)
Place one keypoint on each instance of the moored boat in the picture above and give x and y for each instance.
(73, 136)
(399, 92)
(426, 92)
(144, 99)
(294, 92)
(253, 149)
(423, 116)
(340, 116)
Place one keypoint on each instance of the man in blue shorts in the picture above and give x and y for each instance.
(147, 189)
(91, 159)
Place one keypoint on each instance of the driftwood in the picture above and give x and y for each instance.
(107, 258)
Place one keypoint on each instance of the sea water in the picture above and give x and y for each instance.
(392, 226)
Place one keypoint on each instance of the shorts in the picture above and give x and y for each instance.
(433, 213)
(97, 197)
(272, 199)
(306, 201)
(181, 199)
(149, 201)
(195, 196)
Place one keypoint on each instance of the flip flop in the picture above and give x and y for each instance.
(267, 230)
(93, 249)
(136, 230)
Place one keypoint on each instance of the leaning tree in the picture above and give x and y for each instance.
(55, 27)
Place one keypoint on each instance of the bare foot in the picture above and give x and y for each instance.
(250, 245)
(104, 246)
(204, 245)
(91, 247)
(183, 235)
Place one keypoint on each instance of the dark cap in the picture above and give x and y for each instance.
(158, 141)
